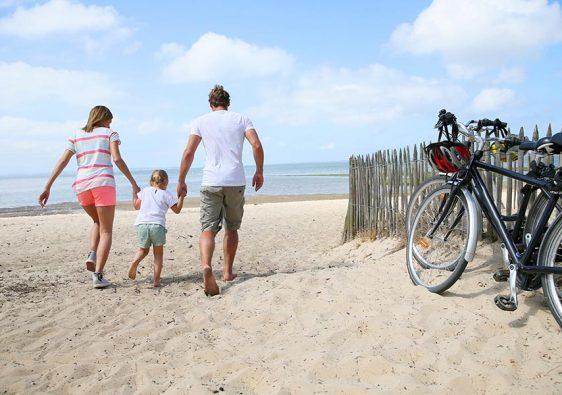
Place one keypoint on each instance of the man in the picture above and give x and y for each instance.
(224, 182)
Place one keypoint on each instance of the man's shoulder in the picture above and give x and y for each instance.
(200, 118)
(211, 118)
(237, 115)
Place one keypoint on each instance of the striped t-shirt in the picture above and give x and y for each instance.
(93, 157)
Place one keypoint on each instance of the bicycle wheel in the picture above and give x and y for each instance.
(550, 254)
(421, 191)
(535, 212)
(435, 254)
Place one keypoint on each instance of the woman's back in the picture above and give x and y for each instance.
(93, 156)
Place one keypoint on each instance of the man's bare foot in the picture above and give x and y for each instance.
(133, 272)
(209, 282)
(229, 276)
(156, 285)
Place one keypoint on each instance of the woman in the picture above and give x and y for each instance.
(95, 145)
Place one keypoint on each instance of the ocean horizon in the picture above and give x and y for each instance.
(280, 179)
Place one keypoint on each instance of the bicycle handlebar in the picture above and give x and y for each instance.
(446, 119)
(486, 123)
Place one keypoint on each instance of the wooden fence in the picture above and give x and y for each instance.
(380, 186)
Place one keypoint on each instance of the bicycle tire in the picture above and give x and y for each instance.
(549, 252)
(535, 211)
(458, 264)
(418, 195)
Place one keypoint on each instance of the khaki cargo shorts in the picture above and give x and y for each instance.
(220, 204)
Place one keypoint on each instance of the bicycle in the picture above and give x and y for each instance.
(446, 170)
(445, 229)
(524, 223)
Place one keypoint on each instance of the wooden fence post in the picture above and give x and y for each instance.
(381, 185)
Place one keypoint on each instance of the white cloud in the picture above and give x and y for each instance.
(473, 34)
(356, 97)
(214, 57)
(93, 27)
(27, 128)
(24, 143)
(24, 84)
(513, 75)
(170, 50)
(9, 3)
(328, 146)
(61, 16)
(492, 99)
(463, 72)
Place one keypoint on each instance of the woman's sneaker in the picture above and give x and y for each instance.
(91, 261)
(99, 281)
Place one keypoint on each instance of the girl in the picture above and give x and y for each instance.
(94, 145)
(153, 202)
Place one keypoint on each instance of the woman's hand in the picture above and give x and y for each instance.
(59, 167)
(44, 197)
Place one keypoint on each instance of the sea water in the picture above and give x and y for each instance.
(280, 179)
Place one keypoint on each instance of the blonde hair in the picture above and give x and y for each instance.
(159, 178)
(98, 114)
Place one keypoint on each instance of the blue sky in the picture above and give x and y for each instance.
(321, 80)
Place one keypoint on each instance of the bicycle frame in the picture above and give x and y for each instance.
(521, 261)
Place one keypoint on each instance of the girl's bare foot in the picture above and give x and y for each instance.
(209, 283)
(133, 271)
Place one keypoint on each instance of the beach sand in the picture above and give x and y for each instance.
(306, 315)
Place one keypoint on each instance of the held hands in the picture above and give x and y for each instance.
(182, 189)
(44, 197)
(136, 189)
(257, 181)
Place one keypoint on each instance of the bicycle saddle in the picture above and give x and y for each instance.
(548, 145)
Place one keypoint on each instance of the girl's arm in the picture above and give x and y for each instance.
(176, 208)
(120, 163)
(59, 167)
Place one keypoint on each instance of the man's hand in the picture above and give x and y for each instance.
(257, 182)
(182, 189)
(257, 149)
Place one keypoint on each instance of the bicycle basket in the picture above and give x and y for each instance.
(447, 156)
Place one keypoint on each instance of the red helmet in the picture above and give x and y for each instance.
(447, 156)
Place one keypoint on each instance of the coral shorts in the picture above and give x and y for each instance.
(99, 197)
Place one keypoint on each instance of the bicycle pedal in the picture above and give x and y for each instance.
(505, 303)
(502, 275)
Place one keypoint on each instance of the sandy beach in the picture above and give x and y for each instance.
(306, 315)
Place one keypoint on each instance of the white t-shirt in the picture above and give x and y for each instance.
(154, 204)
(223, 134)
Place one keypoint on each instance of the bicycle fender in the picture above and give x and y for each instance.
(475, 221)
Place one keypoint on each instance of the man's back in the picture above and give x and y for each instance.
(222, 133)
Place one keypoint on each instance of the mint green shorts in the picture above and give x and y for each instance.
(151, 234)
